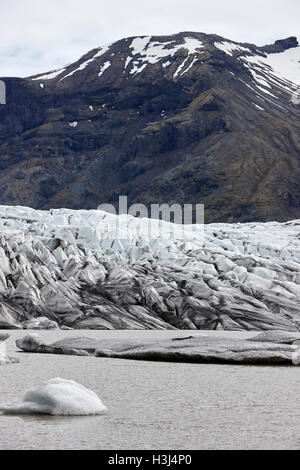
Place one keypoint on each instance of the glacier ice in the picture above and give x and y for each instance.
(75, 270)
(3, 338)
(41, 323)
(57, 397)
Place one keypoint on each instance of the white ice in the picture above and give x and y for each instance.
(152, 52)
(73, 124)
(57, 397)
(50, 75)
(230, 47)
(49, 255)
(104, 67)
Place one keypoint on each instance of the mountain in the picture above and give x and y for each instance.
(72, 268)
(187, 118)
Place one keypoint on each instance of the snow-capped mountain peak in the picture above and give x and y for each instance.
(145, 51)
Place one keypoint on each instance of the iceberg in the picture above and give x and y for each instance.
(3, 338)
(57, 397)
(276, 348)
(4, 359)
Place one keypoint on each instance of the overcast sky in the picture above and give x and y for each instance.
(40, 35)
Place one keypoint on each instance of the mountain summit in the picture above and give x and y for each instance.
(187, 118)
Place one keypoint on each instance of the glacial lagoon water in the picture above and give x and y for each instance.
(155, 405)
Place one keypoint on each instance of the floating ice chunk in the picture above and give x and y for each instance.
(230, 47)
(3, 338)
(73, 124)
(4, 359)
(57, 397)
(181, 66)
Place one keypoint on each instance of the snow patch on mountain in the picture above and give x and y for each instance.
(104, 67)
(53, 74)
(190, 66)
(73, 124)
(286, 65)
(2, 350)
(50, 75)
(258, 107)
(78, 69)
(279, 72)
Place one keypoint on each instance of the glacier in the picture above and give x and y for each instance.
(57, 397)
(4, 358)
(74, 269)
(270, 347)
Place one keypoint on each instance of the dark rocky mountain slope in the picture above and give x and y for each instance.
(188, 118)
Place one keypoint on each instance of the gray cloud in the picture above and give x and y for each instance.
(39, 35)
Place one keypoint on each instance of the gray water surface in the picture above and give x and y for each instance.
(155, 405)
